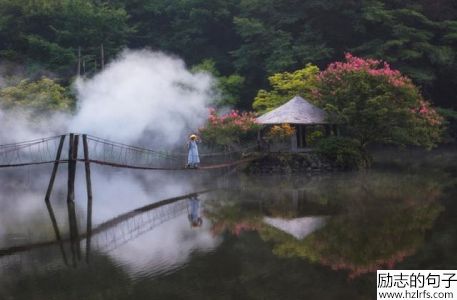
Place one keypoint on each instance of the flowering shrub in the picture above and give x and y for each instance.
(337, 70)
(229, 129)
(280, 132)
(377, 103)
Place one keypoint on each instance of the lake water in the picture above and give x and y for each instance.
(262, 237)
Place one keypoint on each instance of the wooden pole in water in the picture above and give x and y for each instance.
(54, 170)
(89, 197)
(48, 196)
(71, 196)
(75, 223)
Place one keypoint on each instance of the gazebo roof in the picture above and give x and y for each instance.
(296, 111)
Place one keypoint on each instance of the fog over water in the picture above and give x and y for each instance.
(24, 218)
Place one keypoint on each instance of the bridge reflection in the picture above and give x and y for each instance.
(107, 238)
(108, 235)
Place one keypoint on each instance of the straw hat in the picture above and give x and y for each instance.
(193, 136)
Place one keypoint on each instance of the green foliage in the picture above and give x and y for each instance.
(314, 134)
(276, 36)
(39, 97)
(285, 86)
(228, 87)
(248, 40)
(450, 122)
(414, 40)
(343, 152)
(231, 87)
(50, 32)
(193, 29)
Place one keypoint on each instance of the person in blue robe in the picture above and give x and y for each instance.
(193, 159)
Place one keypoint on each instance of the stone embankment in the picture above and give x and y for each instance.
(287, 163)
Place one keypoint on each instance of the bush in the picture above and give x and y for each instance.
(314, 134)
(38, 97)
(450, 122)
(229, 130)
(280, 133)
(344, 153)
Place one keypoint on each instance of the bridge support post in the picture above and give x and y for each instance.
(72, 159)
(48, 196)
(89, 197)
(70, 193)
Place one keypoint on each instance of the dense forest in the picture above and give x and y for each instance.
(241, 41)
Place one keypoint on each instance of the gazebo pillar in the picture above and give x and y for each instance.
(336, 130)
(293, 140)
(300, 134)
(328, 130)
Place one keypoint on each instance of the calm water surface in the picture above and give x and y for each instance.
(262, 237)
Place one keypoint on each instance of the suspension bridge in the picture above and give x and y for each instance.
(106, 152)
(95, 150)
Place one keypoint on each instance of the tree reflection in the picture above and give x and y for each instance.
(383, 222)
(379, 222)
(230, 216)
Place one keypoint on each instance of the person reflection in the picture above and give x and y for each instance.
(193, 209)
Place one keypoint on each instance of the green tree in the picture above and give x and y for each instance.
(416, 39)
(275, 36)
(49, 32)
(39, 97)
(228, 88)
(193, 29)
(250, 38)
(285, 86)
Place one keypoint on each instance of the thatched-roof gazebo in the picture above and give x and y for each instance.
(299, 113)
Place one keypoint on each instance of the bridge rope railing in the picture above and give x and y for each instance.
(169, 154)
(32, 152)
(29, 141)
(109, 153)
(117, 154)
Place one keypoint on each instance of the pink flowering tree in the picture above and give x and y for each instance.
(377, 104)
(229, 130)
